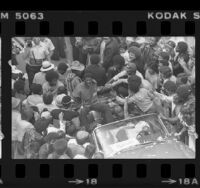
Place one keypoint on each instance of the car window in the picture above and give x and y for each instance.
(121, 135)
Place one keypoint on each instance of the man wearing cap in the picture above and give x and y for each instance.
(39, 77)
(34, 57)
(86, 94)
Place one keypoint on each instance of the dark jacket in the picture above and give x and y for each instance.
(98, 73)
(111, 49)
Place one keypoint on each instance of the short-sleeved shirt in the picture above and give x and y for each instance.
(142, 99)
(39, 78)
(88, 96)
(39, 51)
(48, 44)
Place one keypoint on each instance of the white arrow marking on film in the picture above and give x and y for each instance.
(170, 181)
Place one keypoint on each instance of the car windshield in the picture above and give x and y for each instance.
(117, 136)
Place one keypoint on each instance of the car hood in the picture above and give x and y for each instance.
(167, 149)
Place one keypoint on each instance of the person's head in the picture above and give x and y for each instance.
(95, 59)
(129, 40)
(163, 63)
(122, 48)
(118, 61)
(163, 56)
(182, 47)
(47, 66)
(27, 113)
(169, 88)
(52, 78)
(134, 83)
(134, 53)
(153, 41)
(182, 94)
(153, 67)
(66, 101)
(47, 98)
(182, 78)
(36, 40)
(41, 124)
(36, 89)
(131, 68)
(82, 137)
(63, 101)
(166, 72)
(88, 77)
(62, 68)
(62, 90)
(60, 146)
(171, 44)
(19, 86)
(53, 136)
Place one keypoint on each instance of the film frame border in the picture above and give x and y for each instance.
(113, 171)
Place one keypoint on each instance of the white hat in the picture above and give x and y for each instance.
(46, 66)
(46, 115)
(76, 65)
(58, 100)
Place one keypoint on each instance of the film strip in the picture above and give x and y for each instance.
(148, 172)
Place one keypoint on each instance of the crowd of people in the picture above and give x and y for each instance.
(55, 107)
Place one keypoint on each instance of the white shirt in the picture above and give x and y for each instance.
(48, 44)
(19, 126)
(39, 78)
(40, 51)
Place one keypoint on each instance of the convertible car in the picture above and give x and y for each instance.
(145, 136)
